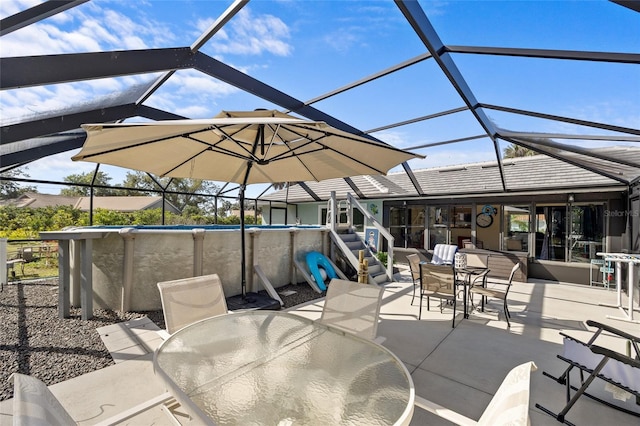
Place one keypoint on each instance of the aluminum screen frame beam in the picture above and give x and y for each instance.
(576, 55)
(31, 129)
(42, 147)
(29, 71)
(64, 122)
(630, 4)
(418, 20)
(575, 121)
(35, 14)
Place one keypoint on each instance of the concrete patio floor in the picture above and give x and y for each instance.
(459, 368)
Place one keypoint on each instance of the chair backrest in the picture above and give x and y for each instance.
(353, 307)
(477, 260)
(513, 272)
(510, 404)
(443, 254)
(438, 279)
(34, 404)
(188, 300)
(414, 265)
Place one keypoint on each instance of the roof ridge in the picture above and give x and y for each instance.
(377, 184)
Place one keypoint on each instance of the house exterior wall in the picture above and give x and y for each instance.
(616, 228)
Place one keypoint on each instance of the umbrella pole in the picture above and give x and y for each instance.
(242, 243)
(242, 239)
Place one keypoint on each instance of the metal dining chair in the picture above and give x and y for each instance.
(438, 281)
(414, 267)
(501, 294)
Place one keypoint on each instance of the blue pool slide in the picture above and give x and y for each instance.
(315, 261)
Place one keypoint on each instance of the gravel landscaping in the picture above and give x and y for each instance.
(34, 341)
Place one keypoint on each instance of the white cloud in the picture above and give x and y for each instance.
(251, 35)
(191, 94)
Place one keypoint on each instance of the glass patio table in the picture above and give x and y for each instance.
(277, 368)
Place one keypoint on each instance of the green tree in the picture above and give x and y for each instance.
(10, 189)
(514, 150)
(102, 179)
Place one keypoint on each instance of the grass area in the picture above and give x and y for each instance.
(40, 268)
(38, 264)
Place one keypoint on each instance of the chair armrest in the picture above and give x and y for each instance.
(495, 282)
(443, 412)
(610, 329)
(482, 277)
(615, 355)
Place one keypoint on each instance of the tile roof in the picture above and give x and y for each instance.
(534, 173)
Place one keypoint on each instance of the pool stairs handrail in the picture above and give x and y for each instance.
(337, 232)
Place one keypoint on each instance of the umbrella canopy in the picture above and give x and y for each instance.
(261, 146)
(275, 147)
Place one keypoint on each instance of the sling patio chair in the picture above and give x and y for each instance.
(437, 281)
(509, 405)
(187, 300)
(35, 405)
(497, 293)
(620, 372)
(414, 267)
(353, 307)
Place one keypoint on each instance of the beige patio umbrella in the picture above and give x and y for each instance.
(262, 146)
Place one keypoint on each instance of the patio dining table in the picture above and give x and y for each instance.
(278, 368)
(467, 274)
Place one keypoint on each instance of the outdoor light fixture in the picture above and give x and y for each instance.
(571, 198)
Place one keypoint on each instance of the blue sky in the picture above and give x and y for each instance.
(308, 48)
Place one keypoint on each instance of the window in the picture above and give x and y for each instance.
(438, 225)
(406, 224)
(551, 228)
(358, 218)
(416, 222)
(516, 228)
(587, 232)
(576, 231)
(397, 226)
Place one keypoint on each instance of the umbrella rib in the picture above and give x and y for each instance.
(293, 154)
(230, 136)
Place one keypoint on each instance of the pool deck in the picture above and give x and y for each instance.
(459, 368)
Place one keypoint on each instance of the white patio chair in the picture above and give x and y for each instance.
(353, 307)
(444, 254)
(188, 300)
(509, 405)
(35, 405)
